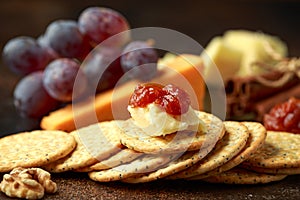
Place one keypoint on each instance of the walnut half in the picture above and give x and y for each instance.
(29, 183)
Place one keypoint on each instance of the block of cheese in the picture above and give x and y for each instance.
(226, 59)
(234, 53)
(253, 46)
(184, 71)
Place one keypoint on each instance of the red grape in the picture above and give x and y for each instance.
(99, 24)
(44, 43)
(64, 37)
(42, 40)
(102, 67)
(139, 60)
(24, 55)
(59, 79)
(30, 97)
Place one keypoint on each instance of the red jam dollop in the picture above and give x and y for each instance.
(284, 117)
(170, 98)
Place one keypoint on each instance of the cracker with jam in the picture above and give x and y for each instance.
(166, 140)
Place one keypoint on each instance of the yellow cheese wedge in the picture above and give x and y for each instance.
(184, 71)
(226, 59)
(253, 47)
(235, 51)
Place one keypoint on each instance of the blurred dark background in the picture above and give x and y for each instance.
(200, 20)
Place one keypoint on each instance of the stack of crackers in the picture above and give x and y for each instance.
(226, 152)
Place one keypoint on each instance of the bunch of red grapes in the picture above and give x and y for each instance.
(66, 53)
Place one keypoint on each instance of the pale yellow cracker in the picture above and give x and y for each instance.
(83, 169)
(287, 171)
(124, 156)
(280, 150)
(186, 160)
(34, 149)
(144, 164)
(92, 146)
(243, 176)
(231, 144)
(255, 140)
(134, 137)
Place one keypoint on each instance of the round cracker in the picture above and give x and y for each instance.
(257, 135)
(183, 162)
(92, 146)
(280, 150)
(243, 176)
(135, 138)
(83, 169)
(144, 164)
(34, 149)
(123, 156)
(287, 171)
(231, 144)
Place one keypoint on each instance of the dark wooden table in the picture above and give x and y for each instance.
(201, 21)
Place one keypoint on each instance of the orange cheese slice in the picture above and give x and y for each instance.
(185, 71)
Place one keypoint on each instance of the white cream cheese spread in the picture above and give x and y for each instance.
(156, 122)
